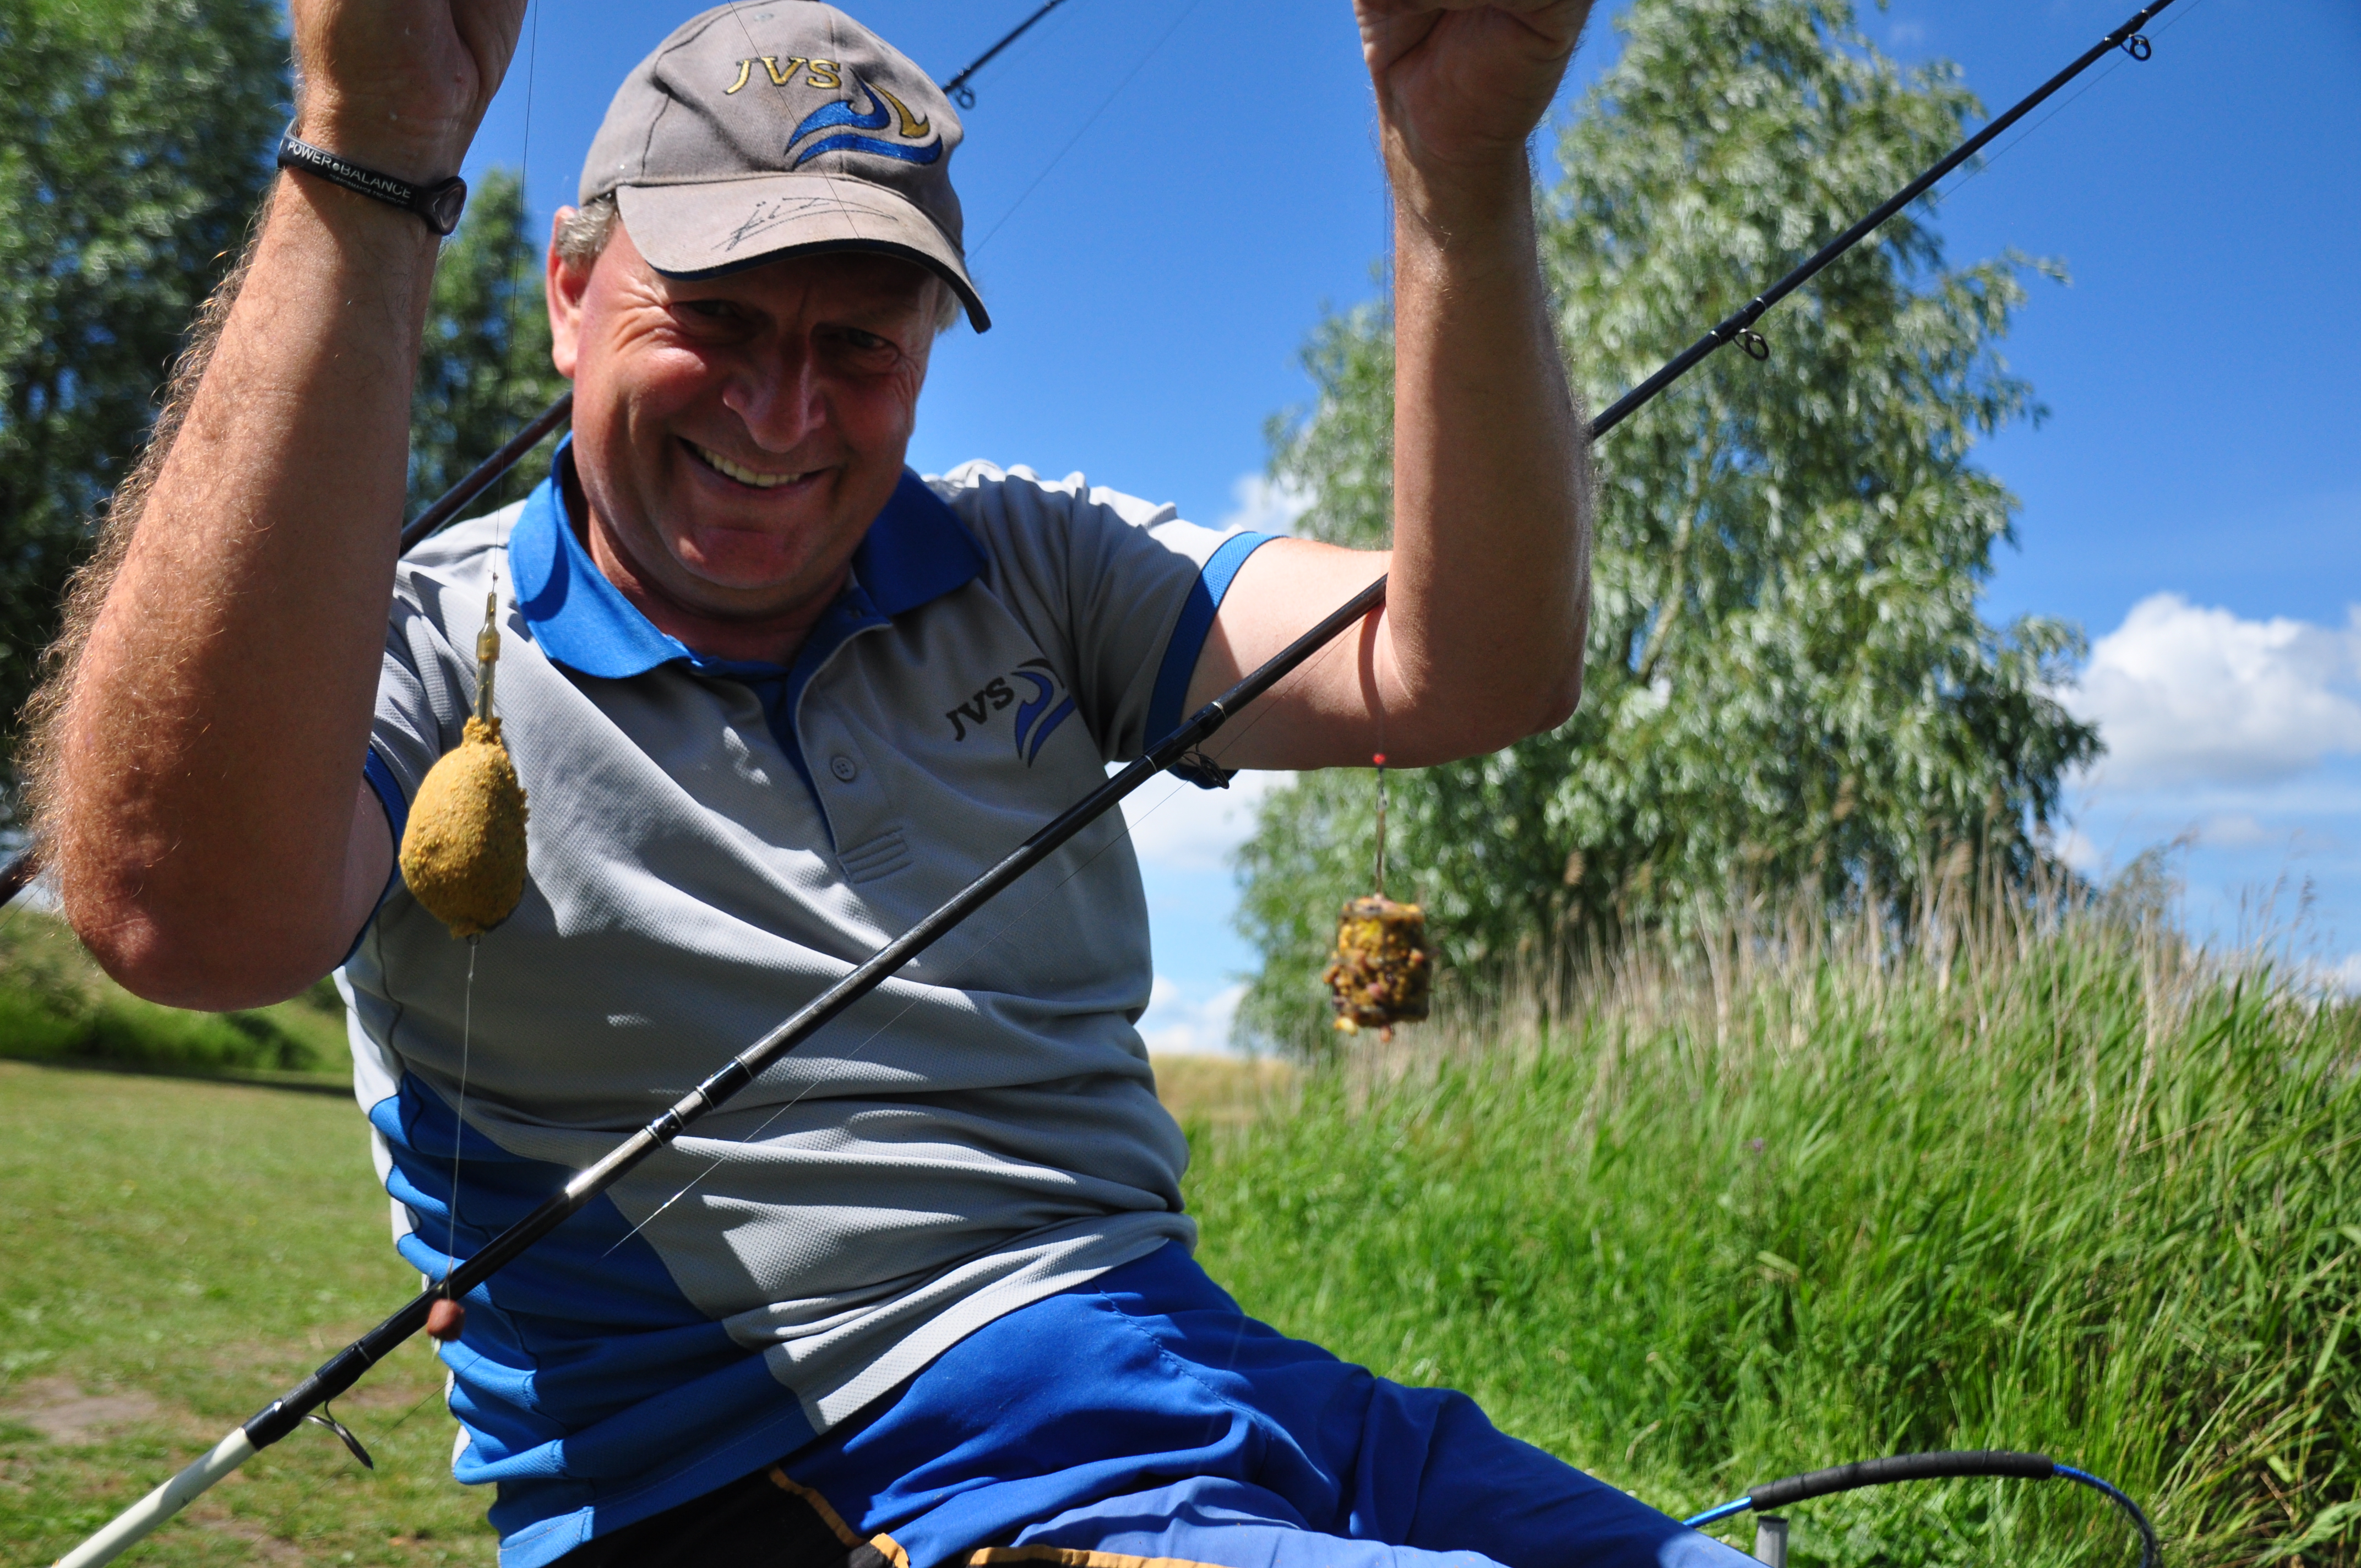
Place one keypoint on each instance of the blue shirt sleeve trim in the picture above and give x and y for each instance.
(381, 779)
(1205, 595)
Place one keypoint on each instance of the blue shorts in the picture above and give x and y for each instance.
(1142, 1416)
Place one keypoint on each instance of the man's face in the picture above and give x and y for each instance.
(735, 436)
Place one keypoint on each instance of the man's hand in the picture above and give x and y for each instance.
(1461, 83)
(1481, 640)
(400, 86)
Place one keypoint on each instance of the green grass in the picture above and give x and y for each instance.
(177, 1253)
(1733, 1217)
(57, 1005)
(1718, 1222)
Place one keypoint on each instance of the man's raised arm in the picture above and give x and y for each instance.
(1480, 642)
(203, 806)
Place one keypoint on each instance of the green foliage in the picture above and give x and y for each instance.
(484, 369)
(1779, 1201)
(134, 144)
(1787, 683)
(56, 1006)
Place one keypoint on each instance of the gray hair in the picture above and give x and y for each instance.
(583, 237)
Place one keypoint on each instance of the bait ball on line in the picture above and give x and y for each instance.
(1382, 969)
(463, 854)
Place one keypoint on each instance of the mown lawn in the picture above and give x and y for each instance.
(177, 1253)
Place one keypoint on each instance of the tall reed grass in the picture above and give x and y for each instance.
(1722, 1210)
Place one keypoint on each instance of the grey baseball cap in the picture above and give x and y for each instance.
(773, 127)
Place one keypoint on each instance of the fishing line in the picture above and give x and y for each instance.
(1104, 106)
(310, 1396)
(475, 943)
(1263, 710)
(2018, 140)
(459, 1118)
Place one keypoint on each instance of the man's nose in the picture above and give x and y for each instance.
(779, 396)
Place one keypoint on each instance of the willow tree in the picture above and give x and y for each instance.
(1789, 688)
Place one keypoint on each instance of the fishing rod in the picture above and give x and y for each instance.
(1771, 1544)
(956, 87)
(308, 1399)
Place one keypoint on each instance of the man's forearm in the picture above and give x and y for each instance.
(1484, 628)
(214, 731)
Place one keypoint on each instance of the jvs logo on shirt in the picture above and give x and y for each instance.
(1033, 689)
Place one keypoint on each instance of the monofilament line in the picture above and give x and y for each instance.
(460, 1117)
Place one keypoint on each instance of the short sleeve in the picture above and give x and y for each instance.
(1122, 591)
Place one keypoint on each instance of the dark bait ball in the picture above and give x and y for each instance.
(446, 1319)
(1383, 970)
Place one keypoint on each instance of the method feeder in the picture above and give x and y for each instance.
(1179, 752)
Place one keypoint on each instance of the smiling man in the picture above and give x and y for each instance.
(923, 1292)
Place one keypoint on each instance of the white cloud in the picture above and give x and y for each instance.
(2236, 831)
(2346, 976)
(2184, 694)
(1177, 827)
(1177, 1023)
(1265, 505)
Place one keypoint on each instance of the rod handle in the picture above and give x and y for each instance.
(136, 1521)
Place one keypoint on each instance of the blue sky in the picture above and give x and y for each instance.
(1162, 199)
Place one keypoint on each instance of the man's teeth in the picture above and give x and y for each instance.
(744, 476)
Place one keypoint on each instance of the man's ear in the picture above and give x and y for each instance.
(565, 285)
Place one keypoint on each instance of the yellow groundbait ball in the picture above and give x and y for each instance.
(1382, 969)
(463, 853)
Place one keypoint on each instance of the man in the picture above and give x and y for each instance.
(914, 1295)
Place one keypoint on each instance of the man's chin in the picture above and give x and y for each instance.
(739, 571)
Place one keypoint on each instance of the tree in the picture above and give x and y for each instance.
(134, 141)
(1788, 687)
(484, 369)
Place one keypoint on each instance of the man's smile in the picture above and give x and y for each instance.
(739, 472)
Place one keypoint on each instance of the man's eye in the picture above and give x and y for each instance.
(712, 310)
(865, 341)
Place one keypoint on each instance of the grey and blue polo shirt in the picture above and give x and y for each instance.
(711, 843)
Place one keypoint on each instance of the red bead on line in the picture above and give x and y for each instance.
(1379, 758)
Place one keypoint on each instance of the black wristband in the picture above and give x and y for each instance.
(437, 205)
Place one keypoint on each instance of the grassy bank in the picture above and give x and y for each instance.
(1726, 1217)
(57, 1005)
(1787, 1204)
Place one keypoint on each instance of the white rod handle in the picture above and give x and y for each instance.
(161, 1504)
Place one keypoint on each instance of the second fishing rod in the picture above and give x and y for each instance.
(1179, 750)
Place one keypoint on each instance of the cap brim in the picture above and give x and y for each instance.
(725, 226)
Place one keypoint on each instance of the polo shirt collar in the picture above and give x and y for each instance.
(917, 550)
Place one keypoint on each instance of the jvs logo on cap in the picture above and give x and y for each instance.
(919, 144)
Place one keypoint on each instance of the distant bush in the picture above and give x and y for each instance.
(57, 1005)
(1786, 1198)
